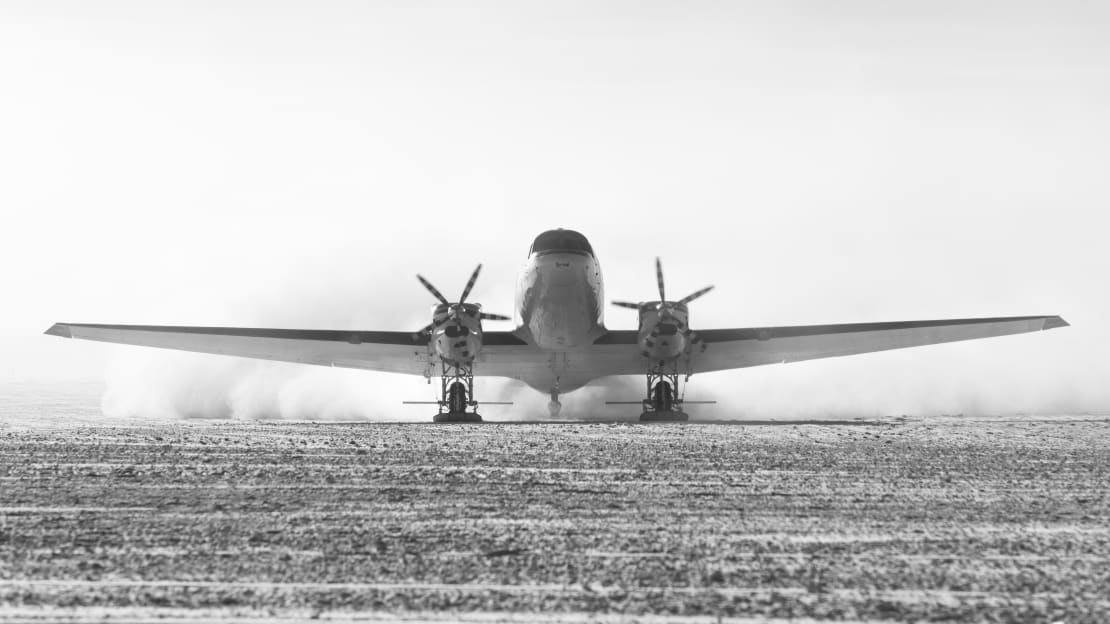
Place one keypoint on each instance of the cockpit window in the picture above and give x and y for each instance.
(561, 240)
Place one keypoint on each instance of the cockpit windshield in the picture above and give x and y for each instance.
(562, 241)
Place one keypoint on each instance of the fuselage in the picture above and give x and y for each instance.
(559, 303)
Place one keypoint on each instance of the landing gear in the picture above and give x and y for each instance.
(456, 397)
(663, 402)
(554, 407)
(457, 394)
(662, 396)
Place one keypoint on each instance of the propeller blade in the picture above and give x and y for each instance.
(691, 297)
(486, 316)
(432, 289)
(659, 279)
(626, 304)
(470, 283)
(427, 329)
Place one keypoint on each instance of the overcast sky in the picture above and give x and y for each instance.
(250, 164)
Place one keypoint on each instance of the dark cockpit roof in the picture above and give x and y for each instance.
(562, 241)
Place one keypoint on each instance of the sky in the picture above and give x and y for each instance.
(295, 164)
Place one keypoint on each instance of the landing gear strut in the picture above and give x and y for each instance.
(663, 402)
(554, 407)
(457, 394)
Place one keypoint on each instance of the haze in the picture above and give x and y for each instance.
(240, 163)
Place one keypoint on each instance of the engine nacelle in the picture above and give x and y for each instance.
(664, 331)
(457, 332)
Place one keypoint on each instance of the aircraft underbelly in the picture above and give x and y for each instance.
(547, 382)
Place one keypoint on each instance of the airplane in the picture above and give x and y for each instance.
(560, 342)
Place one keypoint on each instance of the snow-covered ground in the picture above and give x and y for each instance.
(1004, 518)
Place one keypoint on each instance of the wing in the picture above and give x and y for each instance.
(393, 352)
(740, 348)
(504, 354)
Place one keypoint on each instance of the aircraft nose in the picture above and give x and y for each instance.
(564, 268)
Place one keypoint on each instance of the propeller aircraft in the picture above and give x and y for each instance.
(560, 342)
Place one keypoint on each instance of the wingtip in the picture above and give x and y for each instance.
(59, 329)
(1053, 322)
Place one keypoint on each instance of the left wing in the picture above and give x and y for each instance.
(386, 351)
(754, 346)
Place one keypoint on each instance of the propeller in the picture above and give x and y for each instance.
(663, 308)
(459, 307)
